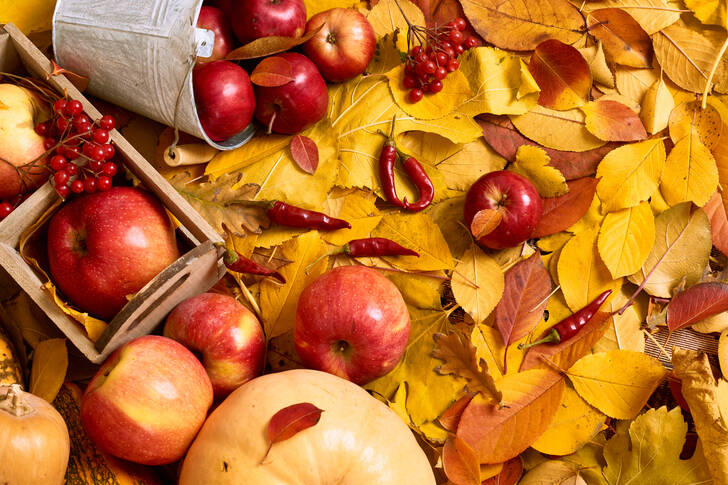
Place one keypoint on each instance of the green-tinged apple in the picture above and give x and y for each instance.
(21, 169)
(226, 335)
(351, 322)
(147, 401)
(105, 246)
(343, 47)
(517, 200)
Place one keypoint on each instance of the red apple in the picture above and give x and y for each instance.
(344, 46)
(214, 19)
(225, 5)
(292, 107)
(253, 19)
(351, 322)
(147, 401)
(226, 335)
(517, 200)
(107, 245)
(224, 98)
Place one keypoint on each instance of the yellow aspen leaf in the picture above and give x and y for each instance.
(454, 93)
(498, 433)
(460, 164)
(658, 204)
(626, 238)
(592, 219)
(681, 251)
(707, 407)
(600, 70)
(448, 216)
(723, 353)
(257, 149)
(691, 173)
(708, 123)
(386, 18)
(650, 452)
(652, 15)
(29, 16)
(687, 53)
(48, 372)
(630, 174)
(712, 12)
(553, 472)
(429, 394)
(582, 274)
(560, 130)
(278, 302)
(359, 210)
(500, 82)
(477, 283)
(623, 331)
(657, 103)
(522, 26)
(533, 163)
(575, 423)
(618, 382)
(611, 120)
(633, 82)
(420, 233)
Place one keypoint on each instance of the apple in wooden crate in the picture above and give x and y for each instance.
(105, 246)
(147, 401)
(351, 322)
(226, 335)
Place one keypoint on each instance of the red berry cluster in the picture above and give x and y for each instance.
(435, 55)
(80, 150)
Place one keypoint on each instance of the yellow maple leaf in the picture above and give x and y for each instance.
(657, 103)
(691, 173)
(477, 283)
(626, 239)
(630, 174)
(532, 162)
(618, 382)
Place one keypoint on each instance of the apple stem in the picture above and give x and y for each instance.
(272, 120)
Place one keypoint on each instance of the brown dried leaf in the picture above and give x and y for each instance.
(266, 46)
(562, 74)
(460, 462)
(565, 353)
(485, 222)
(305, 153)
(624, 40)
(271, 72)
(523, 25)
(696, 303)
(291, 420)
(562, 212)
(459, 356)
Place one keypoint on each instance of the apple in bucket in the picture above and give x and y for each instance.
(253, 19)
(214, 19)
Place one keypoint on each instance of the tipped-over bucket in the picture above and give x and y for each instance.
(139, 55)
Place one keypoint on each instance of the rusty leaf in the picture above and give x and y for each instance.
(272, 71)
(509, 475)
(266, 46)
(613, 121)
(451, 417)
(562, 73)
(718, 222)
(81, 82)
(291, 420)
(460, 462)
(562, 212)
(624, 40)
(696, 303)
(485, 222)
(305, 153)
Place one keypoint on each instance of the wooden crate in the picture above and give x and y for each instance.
(193, 273)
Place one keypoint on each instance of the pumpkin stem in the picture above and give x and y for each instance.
(11, 401)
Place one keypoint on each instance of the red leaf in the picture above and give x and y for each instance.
(81, 82)
(565, 353)
(485, 222)
(695, 304)
(612, 121)
(519, 310)
(562, 212)
(451, 417)
(623, 39)
(503, 137)
(290, 420)
(509, 475)
(562, 73)
(266, 46)
(305, 153)
(460, 462)
(272, 71)
(718, 222)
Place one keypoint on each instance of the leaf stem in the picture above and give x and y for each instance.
(719, 57)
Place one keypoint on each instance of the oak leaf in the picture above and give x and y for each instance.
(626, 239)
(477, 283)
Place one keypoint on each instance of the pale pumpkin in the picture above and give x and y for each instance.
(34, 442)
(358, 440)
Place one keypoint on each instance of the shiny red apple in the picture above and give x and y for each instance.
(105, 246)
(226, 335)
(147, 401)
(225, 5)
(294, 106)
(214, 19)
(515, 197)
(343, 47)
(253, 19)
(224, 97)
(351, 322)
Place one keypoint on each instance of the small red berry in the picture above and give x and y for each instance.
(460, 23)
(110, 151)
(435, 86)
(455, 37)
(81, 118)
(61, 124)
(5, 209)
(49, 143)
(73, 108)
(100, 136)
(459, 49)
(60, 106)
(441, 73)
(42, 128)
(71, 169)
(63, 191)
(57, 162)
(409, 82)
(95, 165)
(415, 95)
(107, 122)
(70, 152)
(441, 58)
(60, 178)
(109, 169)
(83, 127)
(471, 42)
(103, 183)
(77, 186)
(452, 65)
(89, 185)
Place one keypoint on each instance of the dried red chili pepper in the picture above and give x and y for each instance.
(387, 157)
(376, 246)
(570, 326)
(289, 215)
(235, 261)
(422, 181)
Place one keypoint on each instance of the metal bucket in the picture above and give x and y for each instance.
(138, 54)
